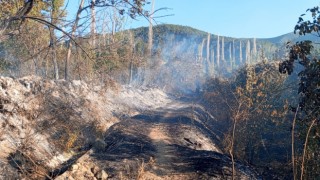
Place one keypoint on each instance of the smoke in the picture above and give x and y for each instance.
(174, 66)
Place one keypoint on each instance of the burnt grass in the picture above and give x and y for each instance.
(127, 142)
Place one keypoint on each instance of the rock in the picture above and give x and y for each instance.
(102, 175)
(95, 169)
(74, 167)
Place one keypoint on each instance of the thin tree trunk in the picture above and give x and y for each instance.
(222, 50)
(93, 25)
(305, 148)
(54, 55)
(74, 27)
(254, 49)
(248, 60)
(201, 46)
(292, 144)
(208, 48)
(218, 52)
(132, 57)
(231, 148)
(233, 54)
(230, 55)
(240, 52)
(212, 63)
(150, 34)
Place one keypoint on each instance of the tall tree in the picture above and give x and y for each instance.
(240, 52)
(55, 13)
(208, 47)
(93, 24)
(74, 27)
(248, 54)
(150, 34)
(218, 52)
(254, 50)
(222, 50)
(230, 55)
(233, 54)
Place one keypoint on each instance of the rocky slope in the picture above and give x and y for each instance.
(73, 130)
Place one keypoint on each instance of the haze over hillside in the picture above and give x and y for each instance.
(84, 97)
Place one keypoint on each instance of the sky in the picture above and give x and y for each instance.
(233, 18)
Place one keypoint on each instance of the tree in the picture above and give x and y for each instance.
(248, 54)
(309, 93)
(222, 50)
(240, 52)
(150, 34)
(74, 27)
(55, 14)
(218, 52)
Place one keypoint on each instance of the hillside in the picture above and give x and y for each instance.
(183, 58)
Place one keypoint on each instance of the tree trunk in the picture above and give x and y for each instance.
(222, 49)
(230, 55)
(132, 57)
(208, 48)
(150, 34)
(93, 25)
(233, 54)
(240, 52)
(292, 144)
(248, 55)
(254, 50)
(54, 54)
(53, 46)
(218, 52)
(74, 27)
(305, 148)
(231, 148)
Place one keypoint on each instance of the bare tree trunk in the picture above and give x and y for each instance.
(292, 144)
(53, 46)
(132, 57)
(254, 49)
(200, 51)
(208, 48)
(54, 54)
(150, 34)
(248, 55)
(113, 23)
(233, 54)
(305, 148)
(240, 52)
(222, 50)
(231, 148)
(218, 52)
(74, 27)
(93, 25)
(230, 55)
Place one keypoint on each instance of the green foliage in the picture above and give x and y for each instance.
(309, 88)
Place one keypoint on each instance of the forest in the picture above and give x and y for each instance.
(263, 93)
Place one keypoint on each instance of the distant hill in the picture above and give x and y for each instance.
(178, 40)
(292, 37)
(185, 57)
